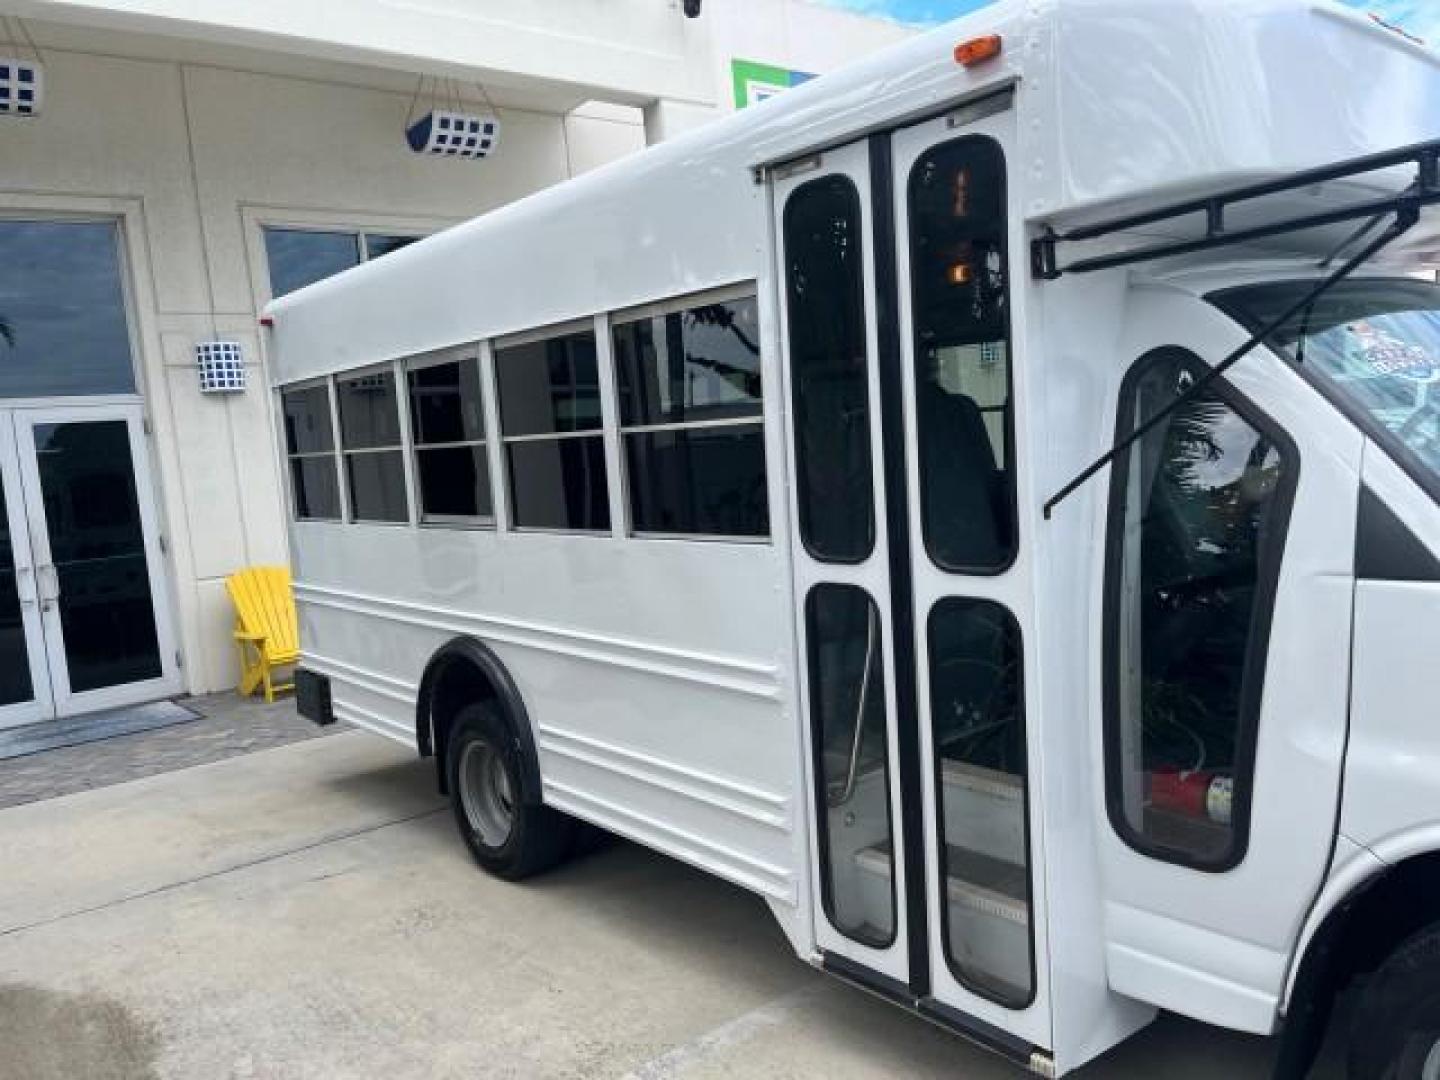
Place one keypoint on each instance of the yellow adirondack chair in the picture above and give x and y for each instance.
(267, 633)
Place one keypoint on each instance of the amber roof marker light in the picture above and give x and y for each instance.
(978, 50)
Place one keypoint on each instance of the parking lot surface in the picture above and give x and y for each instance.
(308, 912)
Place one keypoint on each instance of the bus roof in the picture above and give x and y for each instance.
(1118, 102)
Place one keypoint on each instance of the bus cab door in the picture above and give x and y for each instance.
(910, 579)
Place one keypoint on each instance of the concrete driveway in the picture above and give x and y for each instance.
(308, 912)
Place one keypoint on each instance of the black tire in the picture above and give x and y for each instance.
(507, 837)
(1396, 1029)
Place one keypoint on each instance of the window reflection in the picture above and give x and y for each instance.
(63, 327)
(371, 444)
(92, 514)
(550, 419)
(1199, 529)
(447, 420)
(15, 685)
(962, 355)
(825, 298)
(691, 425)
(300, 257)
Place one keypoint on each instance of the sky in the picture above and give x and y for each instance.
(1419, 17)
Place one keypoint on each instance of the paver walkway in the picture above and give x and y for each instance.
(228, 725)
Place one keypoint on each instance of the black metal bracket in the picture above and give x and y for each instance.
(1425, 191)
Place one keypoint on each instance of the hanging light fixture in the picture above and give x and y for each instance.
(22, 74)
(454, 130)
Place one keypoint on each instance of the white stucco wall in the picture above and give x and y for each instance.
(194, 139)
(194, 158)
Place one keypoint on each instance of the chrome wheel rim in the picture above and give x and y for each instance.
(485, 793)
(1430, 1070)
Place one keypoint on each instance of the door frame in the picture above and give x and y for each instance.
(40, 706)
(896, 961)
(22, 418)
(924, 982)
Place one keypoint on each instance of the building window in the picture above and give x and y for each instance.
(300, 257)
(1198, 515)
(372, 448)
(550, 423)
(691, 420)
(310, 450)
(962, 355)
(63, 325)
(447, 423)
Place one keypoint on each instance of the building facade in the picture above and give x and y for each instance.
(179, 162)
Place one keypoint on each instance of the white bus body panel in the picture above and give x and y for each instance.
(661, 674)
(1392, 772)
(1216, 945)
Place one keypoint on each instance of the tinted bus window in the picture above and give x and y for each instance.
(962, 355)
(825, 301)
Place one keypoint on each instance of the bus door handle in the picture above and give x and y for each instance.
(24, 574)
(48, 597)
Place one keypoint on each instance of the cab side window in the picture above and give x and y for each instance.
(1198, 514)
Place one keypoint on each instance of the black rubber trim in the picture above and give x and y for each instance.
(467, 650)
(986, 1036)
(897, 526)
(1257, 647)
(1385, 548)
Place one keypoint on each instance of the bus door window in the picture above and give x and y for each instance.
(829, 373)
(965, 455)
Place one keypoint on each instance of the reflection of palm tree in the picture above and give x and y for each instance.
(7, 331)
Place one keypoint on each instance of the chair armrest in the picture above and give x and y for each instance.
(244, 635)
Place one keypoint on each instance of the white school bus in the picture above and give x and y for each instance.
(982, 501)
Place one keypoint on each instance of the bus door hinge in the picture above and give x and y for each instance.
(179, 660)
(162, 544)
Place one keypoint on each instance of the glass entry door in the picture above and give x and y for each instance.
(24, 683)
(94, 624)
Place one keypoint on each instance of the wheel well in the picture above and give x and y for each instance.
(1353, 941)
(466, 672)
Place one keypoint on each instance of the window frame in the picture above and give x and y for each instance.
(1257, 645)
(502, 441)
(469, 352)
(737, 291)
(321, 382)
(1012, 484)
(360, 234)
(402, 422)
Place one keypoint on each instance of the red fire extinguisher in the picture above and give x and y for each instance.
(1194, 794)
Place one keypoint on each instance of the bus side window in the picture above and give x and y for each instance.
(549, 393)
(691, 419)
(1198, 514)
(310, 452)
(372, 447)
(962, 355)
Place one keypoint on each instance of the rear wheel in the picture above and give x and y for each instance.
(506, 836)
(1396, 1033)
